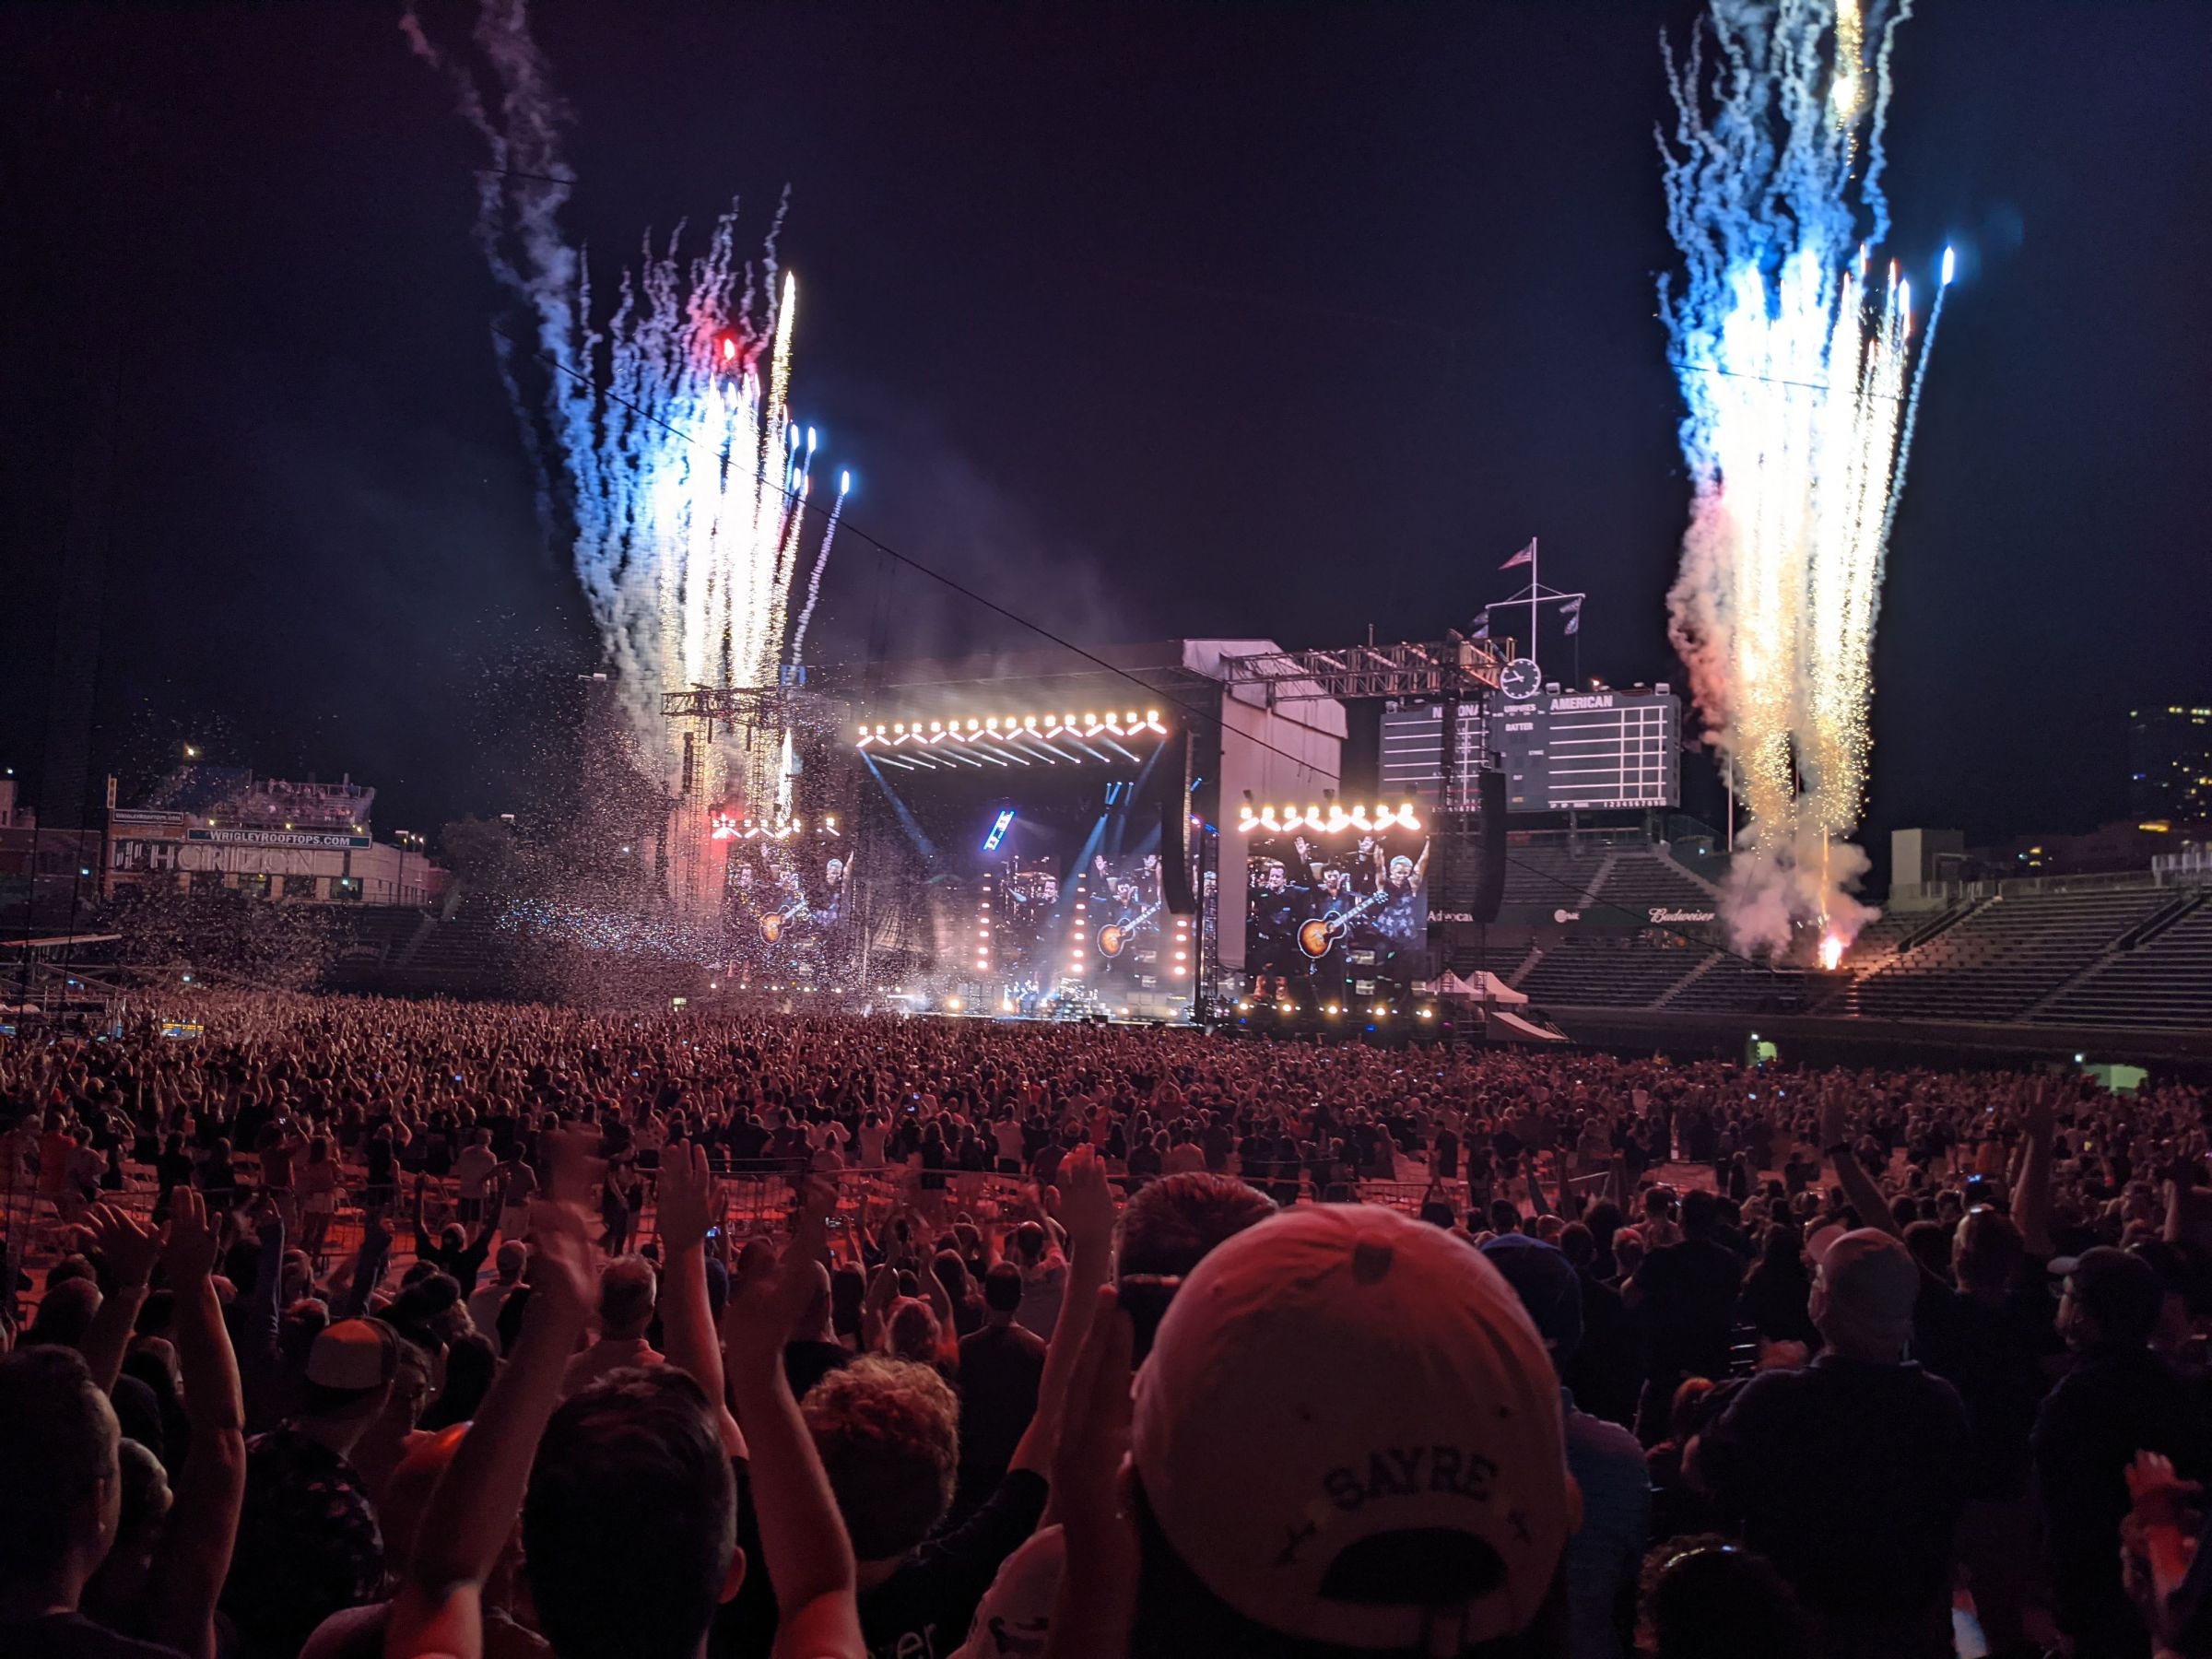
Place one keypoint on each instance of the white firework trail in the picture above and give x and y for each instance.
(1801, 380)
(821, 562)
(684, 475)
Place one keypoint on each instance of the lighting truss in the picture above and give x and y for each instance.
(1454, 666)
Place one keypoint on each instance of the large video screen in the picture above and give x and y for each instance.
(1332, 914)
(787, 916)
(1129, 922)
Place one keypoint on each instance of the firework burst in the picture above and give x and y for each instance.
(664, 441)
(1801, 377)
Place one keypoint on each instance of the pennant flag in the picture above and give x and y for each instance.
(1482, 625)
(1572, 612)
(1526, 556)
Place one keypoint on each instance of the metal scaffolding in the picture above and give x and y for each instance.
(1455, 667)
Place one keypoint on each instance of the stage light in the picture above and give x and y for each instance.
(953, 1002)
(1381, 1010)
(1428, 1013)
(1243, 1007)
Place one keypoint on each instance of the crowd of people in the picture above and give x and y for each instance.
(348, 1326)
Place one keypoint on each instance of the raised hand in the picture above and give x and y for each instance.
(2159, 1495)
(764, 1313)
(190, 1251)
(562, 1265)
(127, 1245)
(690, 1199)
(1086, 1201)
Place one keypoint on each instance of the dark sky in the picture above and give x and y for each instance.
(1261, 319)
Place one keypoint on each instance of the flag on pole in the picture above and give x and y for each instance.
(1526, 556)
(1572, 612)
(1482, 625)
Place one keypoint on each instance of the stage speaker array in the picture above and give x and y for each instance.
(1175, 854)
(1470, 886)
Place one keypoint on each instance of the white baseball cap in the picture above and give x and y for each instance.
(1340, 1386)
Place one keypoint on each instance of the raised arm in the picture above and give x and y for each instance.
(367, 1269)
(1859, 1187)
(2031, 1194)
(194, 1554)
(128, 1247)
(689, 1200)
(264, 1309)
(1096, 1603)
(437, 1607)
(809, 1557)
(1087, 1204)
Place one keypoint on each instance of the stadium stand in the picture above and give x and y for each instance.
(1647, 879)
(2002, 958)
(2162, 979)
(1602, 970)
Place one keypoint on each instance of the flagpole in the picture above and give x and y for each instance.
(1535, 586)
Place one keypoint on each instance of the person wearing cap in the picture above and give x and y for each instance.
(1850, 1475)
(1606, 1556)
(1167, 1228)
(308, 1539)
(1346, 1435)
(2120, 1398)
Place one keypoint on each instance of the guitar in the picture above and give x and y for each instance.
(1319, 936)
(1114, 938)
(771, 926)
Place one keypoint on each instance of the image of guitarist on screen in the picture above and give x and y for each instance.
(1125, 909)
(1331, 917)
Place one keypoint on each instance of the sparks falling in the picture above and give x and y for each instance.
(1801, 373)
(683, 477)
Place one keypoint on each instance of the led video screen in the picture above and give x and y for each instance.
(1336, 910)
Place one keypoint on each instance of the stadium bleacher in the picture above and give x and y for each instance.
(1608, 970)
(2002, 958)
(2163, 981)
(2097, 952)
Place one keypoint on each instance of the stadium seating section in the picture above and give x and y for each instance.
(2103, 952)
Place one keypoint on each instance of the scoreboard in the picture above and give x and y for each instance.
(1561, 751)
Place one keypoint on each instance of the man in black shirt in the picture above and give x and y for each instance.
(2120, 1399)
(813, 1350)
(61, 1485)
(1001, 1366)
(1851, 1473)
(1687, 1293)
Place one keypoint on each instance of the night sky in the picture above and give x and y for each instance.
(1253, 318)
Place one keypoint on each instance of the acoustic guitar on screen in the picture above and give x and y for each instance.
(771, 925)
(1319, 936)
(1114, 938)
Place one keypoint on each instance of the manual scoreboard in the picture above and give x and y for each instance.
(1561, 751)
